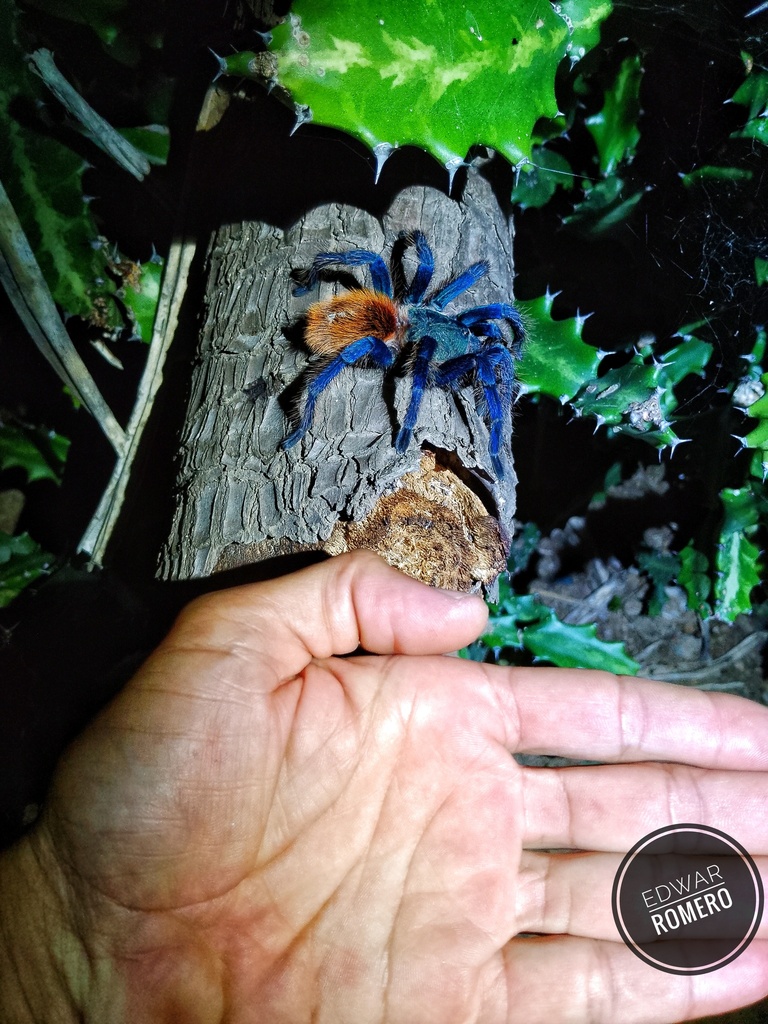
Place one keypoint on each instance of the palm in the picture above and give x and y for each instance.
(367, 784)
(255, 830)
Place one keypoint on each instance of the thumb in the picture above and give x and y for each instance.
(350, 601)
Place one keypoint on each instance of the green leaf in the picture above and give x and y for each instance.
(22, 561)
(638, 398)
(577, 647)
(758, 436)
(614, 128)
(761, 271)
(121, 26)
(737, 558)
(141, 293)
(737, 561)
(617, 393)
(437, 75)
(761, 343)
(43, 179)
(694, 579)
(612, 478)
(523, 547)
(527, 623)
(753, 93)
(101, 15)
(504, 631)
(584, 17)
(757, 130)
(536, 182)
(40, 453)
(710, 173)
(662, 568)
(555, 361)
(153, 140)
(605, 207)
(690, 356)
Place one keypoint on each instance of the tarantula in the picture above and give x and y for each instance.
(441, 350)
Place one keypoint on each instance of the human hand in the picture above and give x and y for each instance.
(258, 830)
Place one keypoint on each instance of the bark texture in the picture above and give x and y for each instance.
(437, 512)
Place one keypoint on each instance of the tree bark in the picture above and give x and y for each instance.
(437, 512)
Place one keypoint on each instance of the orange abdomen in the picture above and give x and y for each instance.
(335, 323)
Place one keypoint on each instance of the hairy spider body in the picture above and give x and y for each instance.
(442, 350)
(340, 321)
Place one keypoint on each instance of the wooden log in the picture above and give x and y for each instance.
(437, 512)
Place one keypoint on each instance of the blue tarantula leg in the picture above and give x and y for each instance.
(425, 269)
(425, 353)
(494, 367)
(495, 414)
(496, 311)
(454, 288)
(354, 258)
(496, 371)
(372, 347)
(454, 369)
(487, 329)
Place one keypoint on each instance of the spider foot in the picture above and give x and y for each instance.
(292, 439)
(403, 440)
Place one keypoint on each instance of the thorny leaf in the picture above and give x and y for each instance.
(605, 207)
(40, 453)
(636, 399)
(737, 558)
(526, 623)
(442, 76)
(555, 361)
(753, 93)
(694, 579)
(22, 561)
(614, 128)
(537, 181)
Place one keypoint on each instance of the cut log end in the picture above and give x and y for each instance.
(432, 527)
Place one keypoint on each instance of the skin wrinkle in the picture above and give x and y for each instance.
(601, 996)
(624, 716)
(713, 710)
(562, 923)
(512, 732)
(567, 809)
(702, 813)
(350, 585)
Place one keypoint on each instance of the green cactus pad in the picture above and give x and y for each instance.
(639, 399)
(754, 94)
(442, 76)
(737, 559)
(614, 128)
(556, 361)
(693, 577)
